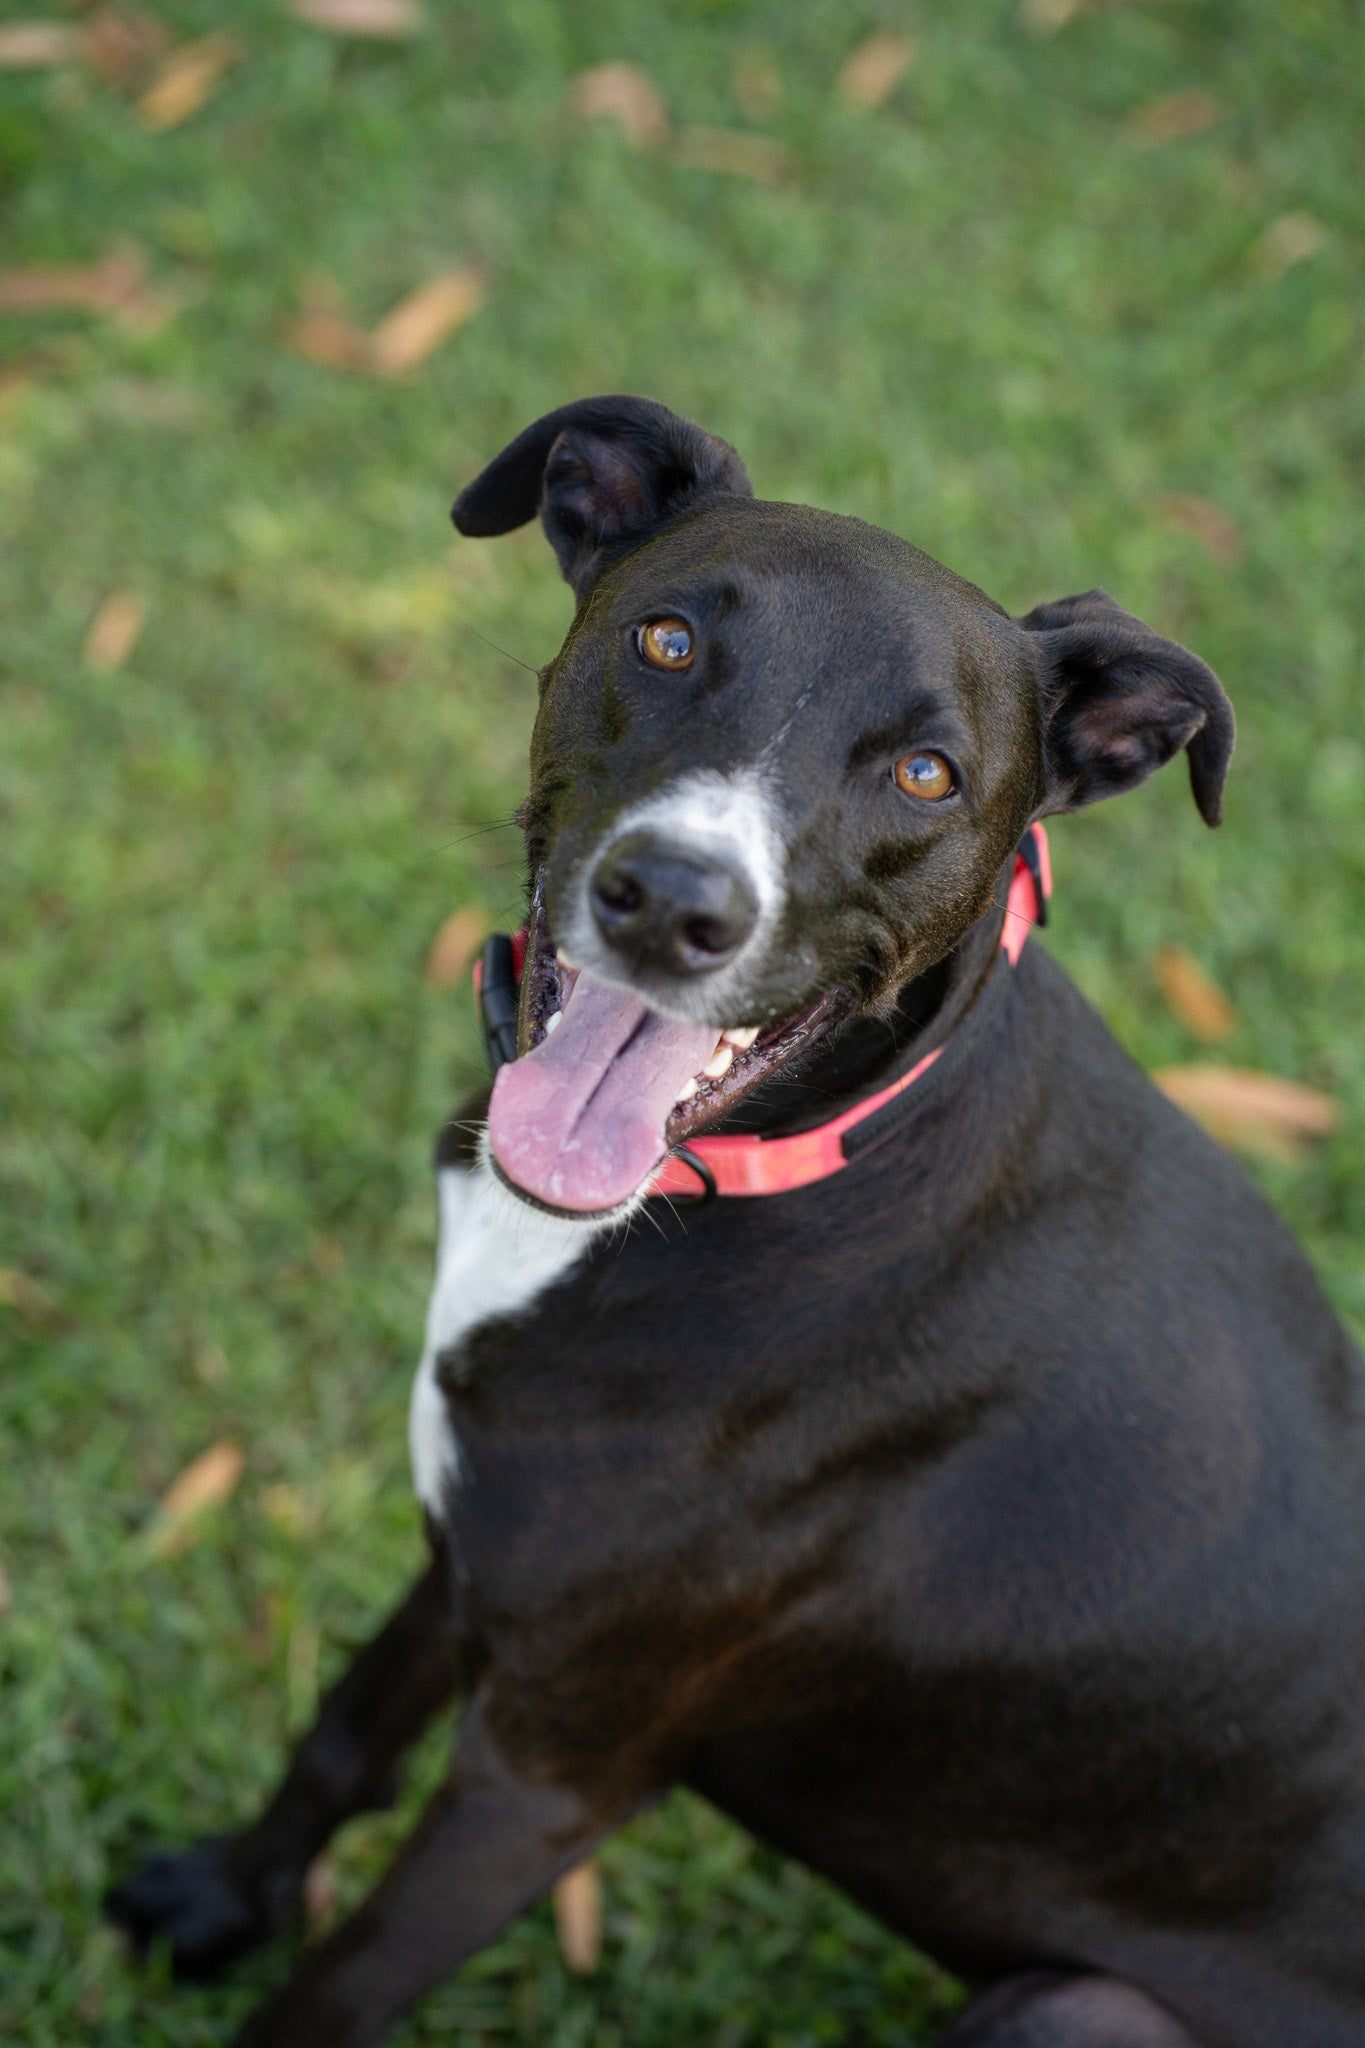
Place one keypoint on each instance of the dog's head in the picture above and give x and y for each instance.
(780, 765)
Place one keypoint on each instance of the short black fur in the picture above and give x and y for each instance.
(984, 1525)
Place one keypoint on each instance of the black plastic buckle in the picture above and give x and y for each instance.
(498, 1001)
(1033, 861)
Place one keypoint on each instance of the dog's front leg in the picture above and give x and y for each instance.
(221, 1898)
(489, 1843)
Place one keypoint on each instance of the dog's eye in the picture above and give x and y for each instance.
(666, 643)
(924, 775)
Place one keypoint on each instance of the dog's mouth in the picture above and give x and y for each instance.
(605, 1087)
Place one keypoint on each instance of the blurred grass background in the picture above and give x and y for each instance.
(1067, 296)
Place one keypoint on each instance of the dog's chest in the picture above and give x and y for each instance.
(495, 1257)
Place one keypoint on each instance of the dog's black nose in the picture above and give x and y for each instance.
(665, 906)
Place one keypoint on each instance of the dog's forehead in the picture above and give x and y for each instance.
(747, 551)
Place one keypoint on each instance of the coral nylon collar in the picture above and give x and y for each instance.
(746, 1164)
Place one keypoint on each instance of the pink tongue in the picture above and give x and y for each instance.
(579, 1122)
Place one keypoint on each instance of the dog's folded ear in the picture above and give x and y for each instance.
(1119, 701)
(603, 473)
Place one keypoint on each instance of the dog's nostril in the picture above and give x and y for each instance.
(707, 935)
(619, 892)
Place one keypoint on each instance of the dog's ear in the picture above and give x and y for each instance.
(603, 473)
(1118, 701)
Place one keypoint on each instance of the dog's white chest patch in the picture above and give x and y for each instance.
(494, 1255)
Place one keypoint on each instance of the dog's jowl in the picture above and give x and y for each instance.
(957, 1475)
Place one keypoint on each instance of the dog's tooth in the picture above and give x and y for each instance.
(562, 959)
(741, 1036)
(688, 1089)
(719, 1062)
(552, 1021)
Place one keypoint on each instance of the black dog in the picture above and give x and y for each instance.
(982, 1521)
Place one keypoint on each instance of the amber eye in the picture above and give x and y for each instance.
(924, 775)
(667, 643)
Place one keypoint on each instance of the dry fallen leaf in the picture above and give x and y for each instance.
(122, 44)
(103, 287)
(18, 1291)
(624, 94)
(324, 333)
(1045, 17)
(1172, 117)
(1214, 529)
(205, 1483)
(734, 153)
(1287, 241)
(211, 1365)
(1193, 995)
(187, 80)
(578, 1917)
(113, 632)
(360, 17)
(17, 374)
(29, 45)
(320, 1896)
(757, 83)
(327, 338)
(115, 287)
(1251, 1112)
(455, 945)
(419, 323)
(875, 69)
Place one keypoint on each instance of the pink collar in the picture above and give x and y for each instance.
(751, 1165)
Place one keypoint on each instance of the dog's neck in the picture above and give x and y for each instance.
(864, 1053)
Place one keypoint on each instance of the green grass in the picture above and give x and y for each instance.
(983, 315)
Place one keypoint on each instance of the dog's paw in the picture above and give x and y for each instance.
(209, 1913)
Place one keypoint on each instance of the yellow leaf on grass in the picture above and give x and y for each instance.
(1174, 116)
(875, 69)
(113, 632)
(1287, 241)
(18, 1291)
(1193, 995)
(419, 323)
(757, 83)
(1215, 530)
(734, 153)
(1251, 1112)
(29, 45)
(187, 80)
(360, 17)
(285, 1507)
(1045, 17)
(17, 374)
(205, 1483)
(624, 94)
(578, 1917)
(454, 946)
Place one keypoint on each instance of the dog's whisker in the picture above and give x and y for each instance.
(505, 652)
